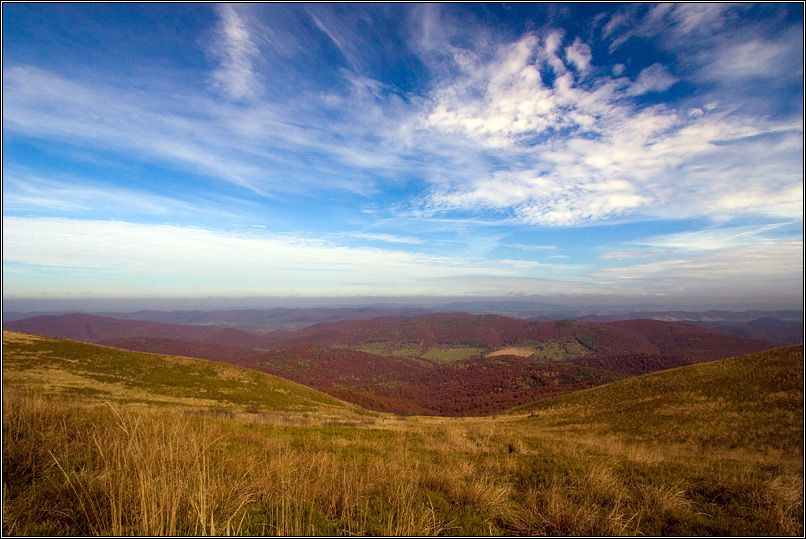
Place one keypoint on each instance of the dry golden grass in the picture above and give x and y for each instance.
(111, 469)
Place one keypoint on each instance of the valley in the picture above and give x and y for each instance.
(448, 364)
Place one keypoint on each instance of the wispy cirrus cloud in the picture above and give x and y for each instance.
(255, 146)
(387, 238)
(29, 193)
(176, 130)
(738, 58)
(679, 23)
(687, 18)
(698, 241)
(34, 193)
(722, 44)
(533, 247)
(235, 50)
(712, 239)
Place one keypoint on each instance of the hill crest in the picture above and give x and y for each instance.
(66, 366)
(753, 400)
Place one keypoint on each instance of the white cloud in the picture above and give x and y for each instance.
(167, 257)
(628, 255)
(533, 247)
(578, 54)
(740, 261)
(615, 23)
(712, 239)
(655, 78)
(344, 31)
(785, 202)
(583, 153)
(751, 58)
(499, 102)
(388, 238)
(235, 50)
(689, 18)
(177, 129)
(25, 192)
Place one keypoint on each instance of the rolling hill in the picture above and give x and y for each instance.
(766, 328)
(753, 401)
(63, 367)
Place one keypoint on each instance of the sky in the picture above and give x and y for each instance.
(652, 152)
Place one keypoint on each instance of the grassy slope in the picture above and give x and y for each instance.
(754, 401)
(75, 368)
(620, 459)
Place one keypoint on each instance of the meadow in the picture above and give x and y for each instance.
(100, 441)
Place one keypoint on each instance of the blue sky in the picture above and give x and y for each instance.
(650, 152)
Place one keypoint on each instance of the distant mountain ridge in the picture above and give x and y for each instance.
(783, 326)
(255, 320)
(93, 328)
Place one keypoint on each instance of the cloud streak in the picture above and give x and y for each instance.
(773, 267)
(235, 50)
(263, 263)
(256, 146)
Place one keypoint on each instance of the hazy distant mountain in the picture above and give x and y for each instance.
(507, 307)
(784, 327)
(697, 316)
(256, 320)
(11, 316)
(92, 328)
(766, 328)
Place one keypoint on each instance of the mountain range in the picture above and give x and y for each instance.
(784, 327)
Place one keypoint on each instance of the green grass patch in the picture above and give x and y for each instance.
(388, 348)
(447, 355)
(560, 350)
